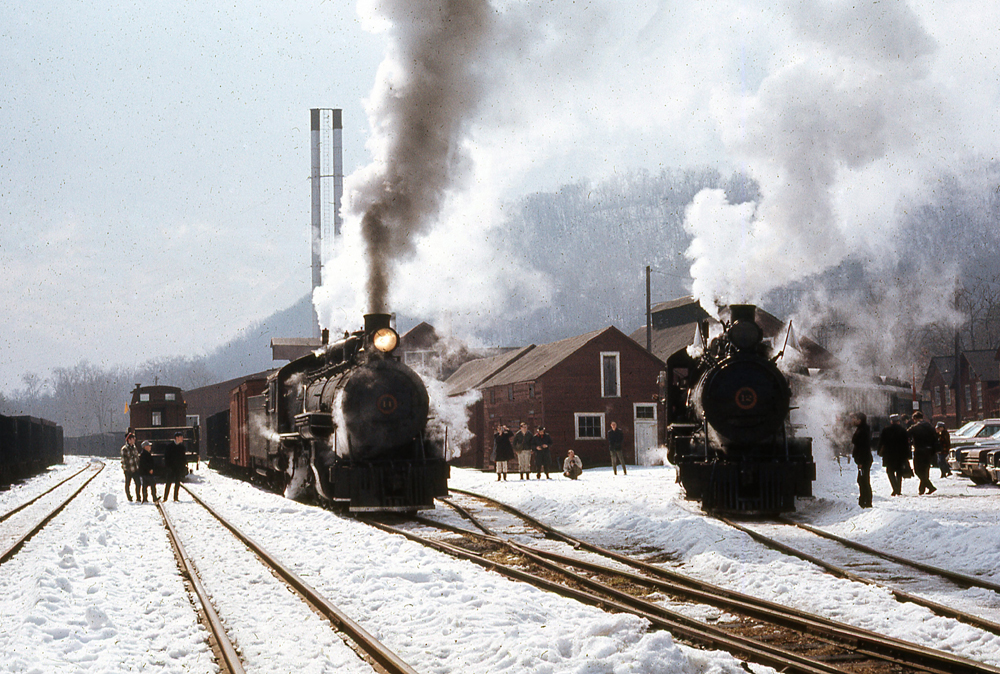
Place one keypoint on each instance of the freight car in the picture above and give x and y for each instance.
(728, 431)
(155, 414)
(345, 424)
(28, 446)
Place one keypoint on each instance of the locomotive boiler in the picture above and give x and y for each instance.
(347, 423)
(728, 430)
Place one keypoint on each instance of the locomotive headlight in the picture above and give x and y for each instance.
(385, 340)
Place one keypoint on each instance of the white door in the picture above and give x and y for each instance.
(644, 424)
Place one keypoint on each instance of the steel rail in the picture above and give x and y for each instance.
(226, 647)
(877, 645)
(954, 576)
(677, 624)
(16, 546)
(371, 646)
(901, 595)
(44, 493)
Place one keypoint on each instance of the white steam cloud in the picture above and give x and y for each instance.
(833, 137)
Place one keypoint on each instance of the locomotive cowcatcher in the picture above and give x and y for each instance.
(728, 430)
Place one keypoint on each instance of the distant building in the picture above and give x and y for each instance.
(970, 392)
(574, 388)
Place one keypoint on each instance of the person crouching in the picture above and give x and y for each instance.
(572, 466)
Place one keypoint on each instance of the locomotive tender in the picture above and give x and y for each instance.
(728, 431)
(346, 423)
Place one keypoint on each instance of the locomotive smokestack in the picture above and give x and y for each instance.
(743, 312)
(375, 322)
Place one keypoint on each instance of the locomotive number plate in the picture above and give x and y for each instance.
(386, 403)
(746, 398)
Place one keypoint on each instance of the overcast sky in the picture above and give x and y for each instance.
(154, 161)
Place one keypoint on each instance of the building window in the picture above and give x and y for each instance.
(510, 391)
(589, 426)
(531, 390)
(968, 397)
(157, 418)
(979, 394)
(193, 419)
(493, 395)
(144, 397)
(169, 396)
(947, 396)
(647, 412)
(610, 376)
(937, 396)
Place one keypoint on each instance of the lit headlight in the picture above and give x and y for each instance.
(385, 340)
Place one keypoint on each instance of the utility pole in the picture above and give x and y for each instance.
(649, 316)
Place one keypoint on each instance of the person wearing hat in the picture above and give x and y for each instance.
(944, 439)
(541, 447)
(146, 470)
(894, 448)
(176, 460)
(862, 455)
(130, 466)
(925, 449)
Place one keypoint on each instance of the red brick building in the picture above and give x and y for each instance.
(973, 394)
(574, 388)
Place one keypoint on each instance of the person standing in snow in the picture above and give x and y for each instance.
(862, 455)
(522, 447)
(542, 449)
(572, 465)
(925, 449)
(176, 460)
(502, 449)
(615, 439)
(130, 466)
(146, 470)
(894, 448)
(944, 442)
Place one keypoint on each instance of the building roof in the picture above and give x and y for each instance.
(293, 348)
(983, 364)
(541, 359)
(421, 336)
(474, 372)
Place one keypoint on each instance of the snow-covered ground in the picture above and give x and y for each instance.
(99, 591)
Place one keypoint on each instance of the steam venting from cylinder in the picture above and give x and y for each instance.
(429, 85)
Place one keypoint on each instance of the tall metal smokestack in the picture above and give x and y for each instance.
(327, 180)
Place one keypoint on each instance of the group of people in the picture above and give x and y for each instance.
(139, 468)
(928, 446)
(533, 452)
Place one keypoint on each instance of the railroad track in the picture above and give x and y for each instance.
(828, 646)
(380, 658)
(26, 520)
(884, 570)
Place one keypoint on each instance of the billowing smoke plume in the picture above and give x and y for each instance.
(428, 87)
(833, 138)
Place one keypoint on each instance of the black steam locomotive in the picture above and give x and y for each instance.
(345, 423)
(728, 431)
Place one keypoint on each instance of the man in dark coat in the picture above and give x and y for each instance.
(176, 459)
(541, 447)
(502, 449)
(615, 439)
(894, 448)
(925, 449)
(944, 448)
(862, 455)
(146, 470)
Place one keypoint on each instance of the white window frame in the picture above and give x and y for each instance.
(170, 397)
(156, 418)
(144, 397)
(635, 410)
(618, 373)
(576, 424)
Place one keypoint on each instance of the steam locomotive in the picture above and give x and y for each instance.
(346, 424)
(728, 431)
